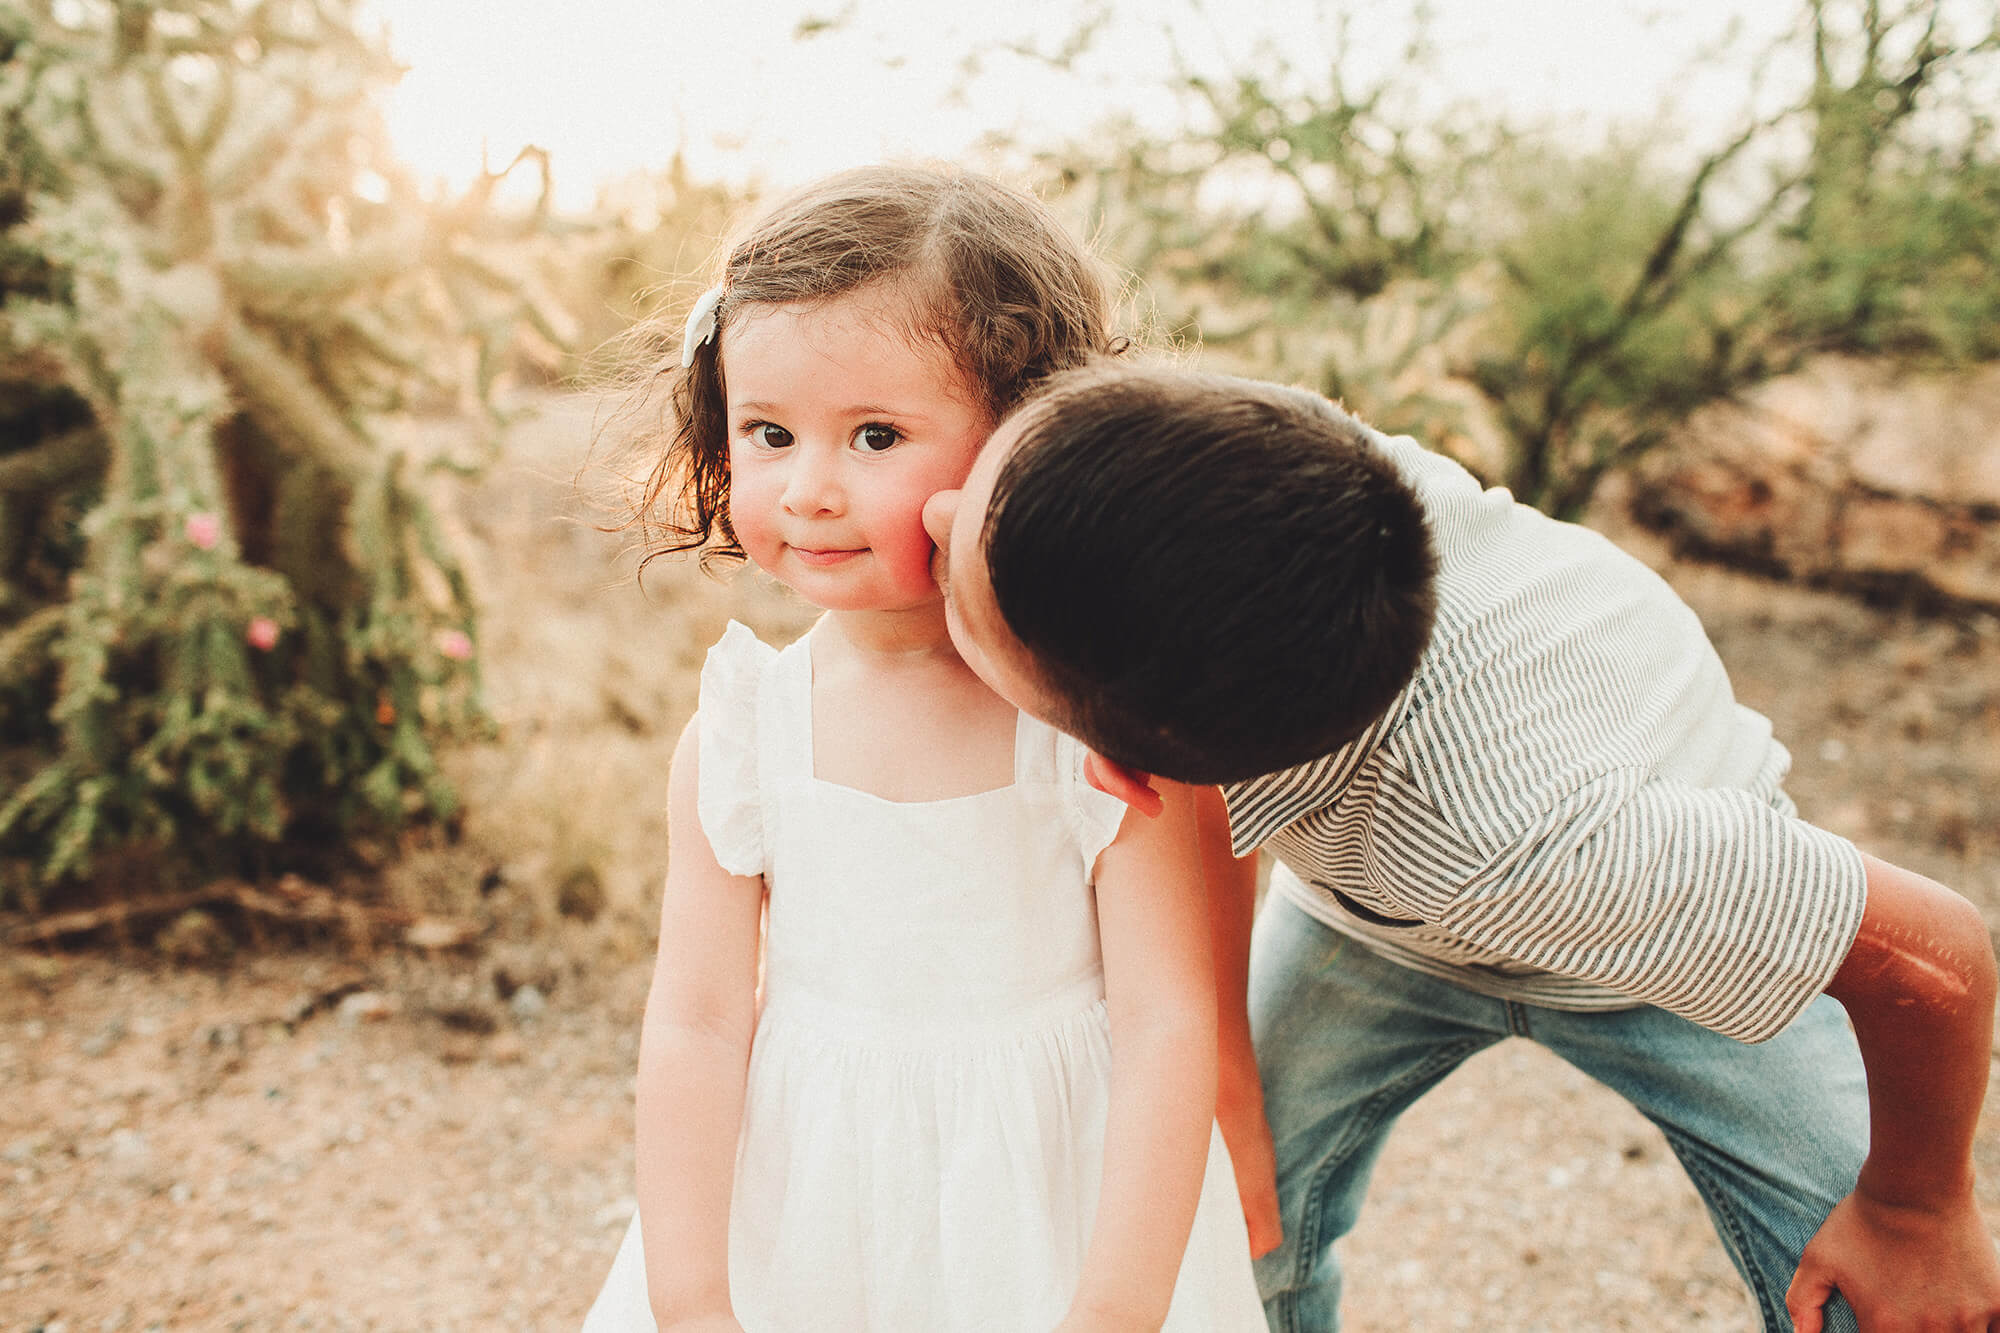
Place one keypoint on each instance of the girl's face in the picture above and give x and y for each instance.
(839, 429)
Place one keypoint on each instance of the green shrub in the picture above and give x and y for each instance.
(231, 629)
(1550, 312)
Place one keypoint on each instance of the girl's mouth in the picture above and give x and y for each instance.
(831, 556)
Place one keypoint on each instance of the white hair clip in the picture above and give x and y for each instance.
(700, 325)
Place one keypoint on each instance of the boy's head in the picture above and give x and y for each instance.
(1201, 577)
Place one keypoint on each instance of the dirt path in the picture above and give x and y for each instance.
(405, 1141)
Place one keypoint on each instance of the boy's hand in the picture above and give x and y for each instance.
(1256, 1184)
(1239, 1111)
(1900, 1268)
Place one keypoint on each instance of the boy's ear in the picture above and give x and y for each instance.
(1127, 784)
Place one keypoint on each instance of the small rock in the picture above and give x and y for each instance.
(365, 1006)
(438, 934)
(307, 1003)
(528, 1003)
(468, 1018)
(24, 1150)
(131, 1157)
(580, 893)
(101, 1041)
(459, 1048)
(36, 970)
(194, 937)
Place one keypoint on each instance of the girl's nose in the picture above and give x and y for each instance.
(812, 484)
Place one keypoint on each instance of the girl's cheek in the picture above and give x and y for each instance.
(910, 557)
(750, 517)
(909, 550)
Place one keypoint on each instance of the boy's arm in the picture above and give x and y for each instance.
(1908, 1249)
(1239, 1097)
(1160, 993)
(694, 1053)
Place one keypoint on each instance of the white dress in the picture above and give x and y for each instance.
(923, 1132)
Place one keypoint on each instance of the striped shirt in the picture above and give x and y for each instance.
(1566, 806)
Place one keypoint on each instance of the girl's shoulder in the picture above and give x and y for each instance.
(735, 671)
(732, 678)
(728, 730)
(1093, 816)
(738, 652)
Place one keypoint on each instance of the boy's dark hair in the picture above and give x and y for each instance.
(1218, 578)
(987, 273)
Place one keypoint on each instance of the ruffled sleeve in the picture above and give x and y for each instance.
(1094, 817)
(728, 800)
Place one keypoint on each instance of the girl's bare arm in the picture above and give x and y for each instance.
(694, 1051)
(1154, 926)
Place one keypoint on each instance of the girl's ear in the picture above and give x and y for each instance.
(1127, 784)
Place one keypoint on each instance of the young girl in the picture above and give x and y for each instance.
(979, 1092)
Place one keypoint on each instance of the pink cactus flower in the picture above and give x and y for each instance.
(262, 633)
(204, 530)
(455, 644)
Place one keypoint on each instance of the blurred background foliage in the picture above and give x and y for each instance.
(233, 632)
(1549, 312)
(229, 619)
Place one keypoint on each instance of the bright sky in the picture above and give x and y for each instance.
(614, 86)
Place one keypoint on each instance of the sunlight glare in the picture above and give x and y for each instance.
(777, 91)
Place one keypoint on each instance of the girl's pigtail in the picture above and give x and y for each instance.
(686, 495)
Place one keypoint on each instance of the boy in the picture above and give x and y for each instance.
(1509, 793)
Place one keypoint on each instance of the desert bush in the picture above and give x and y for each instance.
(228, 617)
(1550, 312)
(1892, 249)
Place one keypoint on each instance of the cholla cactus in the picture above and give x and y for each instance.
(218, 291)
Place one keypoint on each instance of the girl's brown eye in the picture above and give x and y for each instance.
(771, 437)
(876, 438)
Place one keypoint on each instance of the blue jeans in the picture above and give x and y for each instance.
(1772, 1135)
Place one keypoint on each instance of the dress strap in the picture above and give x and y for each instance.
(1034, 751)
(788, 741)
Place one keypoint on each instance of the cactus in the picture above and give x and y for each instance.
(229, 621)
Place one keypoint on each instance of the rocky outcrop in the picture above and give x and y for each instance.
(1849, 473)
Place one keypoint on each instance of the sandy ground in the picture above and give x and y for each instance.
(336, 1137)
